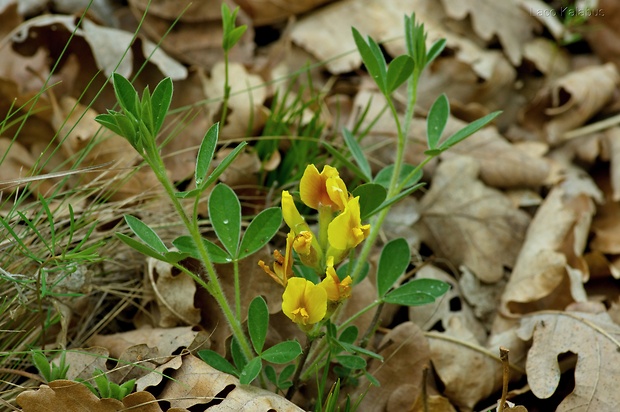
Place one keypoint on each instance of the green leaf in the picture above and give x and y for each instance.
(225, 216)
(356, 349)
(373, 65)
(146, 111)
(217, 361)
(436, 120)
(468, 130)
(270, 373)
(435, 50)
(258, 322)
(126, 95)
(237, 354)
(399, 70)
(174, 256)
(145, 233)
(371, 196)
(234, 36)
(250, 371)
(109, 122)
(385, 176)
(358, 154)
(42, 364)
(396, 198)
(372, 379)
(216, 254)
(205, 153)
(139, 246)
(349, 335)
(393, 262)
(223, 165)
(286, 373)
(417, 292)
(162, 96)
(102, 382)
(283, 352)
(351, 361)
(260, 231)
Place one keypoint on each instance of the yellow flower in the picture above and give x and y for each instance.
(326, 189)
(304, 302)
(283, 265)
(346, 230)
(337, 290)
(291, 215)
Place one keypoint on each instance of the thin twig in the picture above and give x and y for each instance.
(424, 391)
(304, 356)
(503, 355)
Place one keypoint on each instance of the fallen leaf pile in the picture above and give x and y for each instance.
(521, 219)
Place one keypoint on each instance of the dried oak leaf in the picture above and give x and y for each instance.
(502, 164)
(456, 353)
(265, 12)
(570, 101)
(505, 19)
(174, 293)
(550, 267)
(593, 338)
(405, 352)
(197, 383)
(69, 396)
(469, 223)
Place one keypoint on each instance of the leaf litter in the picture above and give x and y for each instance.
(519, 218)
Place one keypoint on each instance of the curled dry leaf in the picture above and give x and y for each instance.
(197, 383)
(550, 268)
(570, 101)
(512, 25)
(469, 370)
(174, 293)
(502, 164)
(469, 223)
(406, 353)
(446, 307)
(593, 338)
(109, 46)
(265, 12)
(197, 35)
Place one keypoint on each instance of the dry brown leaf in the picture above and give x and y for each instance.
(265, 12)
(606, 222)
(108, 45)
(166, 340)
(405, 352)
(469, 223)
(602, 31)
(594, 338)
(446, 307)
(470, 371)
(197, 35)
(550, 268)
(197, 383)
(246, 99)
(17, 163)
(69, 396)
(174, 292)
(570, 101)
(613, 143)
(434, 403)
(502, 164)
(506, 19)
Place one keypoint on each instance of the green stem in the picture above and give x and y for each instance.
(215, 287)
(237, 288)
(226, 90)
(372, 327)
(358, 314)
(302, 361)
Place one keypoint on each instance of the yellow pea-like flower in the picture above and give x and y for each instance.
(304, 302)
(346, 230)
(283, 265)
(325, 189)
(337, 290)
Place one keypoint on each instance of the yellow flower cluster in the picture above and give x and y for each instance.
(340, 230)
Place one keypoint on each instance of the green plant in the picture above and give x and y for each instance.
(50, 371)
(316, 279)
(230, 37)
(104, 388)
